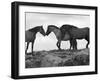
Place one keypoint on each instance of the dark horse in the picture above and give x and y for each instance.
(68, 28)
(30, 35)
(57, 32)
(81, 33)
(76, 33)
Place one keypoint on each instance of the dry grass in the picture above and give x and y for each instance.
(57, 58)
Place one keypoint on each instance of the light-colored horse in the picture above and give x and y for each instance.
(30, 36)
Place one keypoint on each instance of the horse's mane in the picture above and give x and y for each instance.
(35, 29)
(53, 26)
(67, 26)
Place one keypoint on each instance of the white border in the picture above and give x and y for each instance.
(53, 70)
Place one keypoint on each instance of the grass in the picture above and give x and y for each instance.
(57, 58)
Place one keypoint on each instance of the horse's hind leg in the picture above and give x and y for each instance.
(26, 47)
(87, 44)
(87, 41)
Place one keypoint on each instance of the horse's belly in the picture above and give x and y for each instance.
(79, 36)
(67, 37)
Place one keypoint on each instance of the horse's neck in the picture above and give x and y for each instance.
(34, 32)
(57, 32)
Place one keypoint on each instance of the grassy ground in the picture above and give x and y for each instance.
(57, 58)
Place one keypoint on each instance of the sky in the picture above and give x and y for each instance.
(49, 42)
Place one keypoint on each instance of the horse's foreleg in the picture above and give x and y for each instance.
(58, 45)
(26, 47)
(74, 44)
(71, 44)
(32, 48)
(70, 47)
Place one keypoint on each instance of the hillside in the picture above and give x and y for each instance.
(56, 58)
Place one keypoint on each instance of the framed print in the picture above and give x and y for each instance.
(50, 40)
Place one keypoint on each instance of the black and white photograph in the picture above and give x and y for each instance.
(50, 40)
(56, 40)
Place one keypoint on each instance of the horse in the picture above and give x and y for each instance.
(67, 28)
(75, 33)
(57, 32)
(30, 36)
(80, 33)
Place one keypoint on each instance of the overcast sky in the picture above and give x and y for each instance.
(45, 19)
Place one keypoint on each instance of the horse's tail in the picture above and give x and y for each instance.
(88, 30)
(87, 33)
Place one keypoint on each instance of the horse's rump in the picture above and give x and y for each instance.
(80, 33)
(29, 36)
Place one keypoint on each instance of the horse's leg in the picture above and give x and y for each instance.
(26, 47)
(71, 44)
(70, 47)
(32, 46)
(58, 45)
(87, 43)
(74, 44)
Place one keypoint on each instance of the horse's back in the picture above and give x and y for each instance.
(85, 30)
(29, 36)
(67, 27)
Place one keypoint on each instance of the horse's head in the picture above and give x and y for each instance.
(41, 30)
(50, 29)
